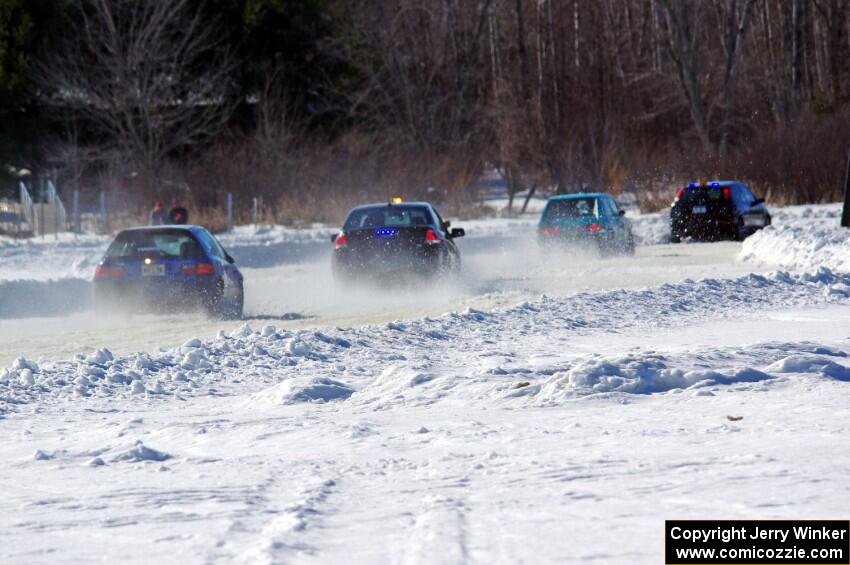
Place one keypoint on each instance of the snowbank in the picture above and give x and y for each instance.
(480, 353)
(799, 247)
(46, 258)
(33, 298)
(61, 240)
(651, 229)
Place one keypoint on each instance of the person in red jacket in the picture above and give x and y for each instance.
(178, 214)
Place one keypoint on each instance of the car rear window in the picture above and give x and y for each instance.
(212, 244)
(176, 244)
(703, 192)
(396, 216)
(571, 208)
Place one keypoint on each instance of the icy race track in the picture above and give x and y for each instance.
(542, 410)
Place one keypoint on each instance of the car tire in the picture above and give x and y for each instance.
(213, 301)
(454, 267)
(236, 308)
(220, 308)
(342, 274)
(675, 237)
(740, 230)
(630, 244)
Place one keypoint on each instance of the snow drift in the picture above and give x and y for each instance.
(799, 247)
(469, 354)
(302, 389)
(636, 374)
(32, 298)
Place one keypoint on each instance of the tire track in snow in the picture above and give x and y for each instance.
(439, 533)
(285, 533)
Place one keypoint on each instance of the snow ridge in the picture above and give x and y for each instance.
(802, 238)
(28, 298)
(426, 360)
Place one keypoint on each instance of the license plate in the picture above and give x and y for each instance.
(156, 270)
(699, 210)
(754, 221)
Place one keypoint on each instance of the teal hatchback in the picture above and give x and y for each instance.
(592, 219)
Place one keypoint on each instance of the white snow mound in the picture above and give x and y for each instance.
(635, 374)
(800, 247)
(811, 364)
(301, 389)
(140, 452)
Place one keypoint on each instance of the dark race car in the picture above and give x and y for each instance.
(716, 210)
(169, 267)
(395, 242)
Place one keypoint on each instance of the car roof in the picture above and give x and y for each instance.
(390, 205)
(184, 227)
(579, 195)
(720, 183)
(190, 228)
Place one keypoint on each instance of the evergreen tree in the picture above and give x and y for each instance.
(26, 29)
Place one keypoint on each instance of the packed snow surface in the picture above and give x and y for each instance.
(522, 416)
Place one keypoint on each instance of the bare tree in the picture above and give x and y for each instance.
(834, 15)
(149, 77)
(734, 16)
(422, 79)
(798, 23)
(686, 40)
(683, 47)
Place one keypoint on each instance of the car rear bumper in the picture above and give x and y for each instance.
(576, 237)
(156, 293)
(414, 263)
(703, 226)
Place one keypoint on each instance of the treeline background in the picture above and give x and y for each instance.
(313, 105)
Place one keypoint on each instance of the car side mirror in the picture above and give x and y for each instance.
(457, 232)
(758, 201)
(621, 213)
(333, 238)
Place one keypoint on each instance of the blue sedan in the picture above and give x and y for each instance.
(169, 267)
(593, 219)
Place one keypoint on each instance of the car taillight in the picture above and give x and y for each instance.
(549, 231)
(727, 193)
(431, 236)
(680, 193)
(197, 269)
(103, 272)
(340, 241)
(593, 227)
(204, 269)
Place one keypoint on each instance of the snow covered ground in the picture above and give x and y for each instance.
(544, 410)
(803, 237)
